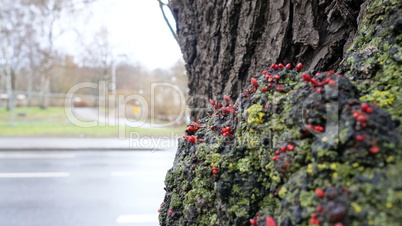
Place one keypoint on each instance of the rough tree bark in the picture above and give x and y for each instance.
(225, 42)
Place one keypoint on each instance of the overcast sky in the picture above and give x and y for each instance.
(136, 29)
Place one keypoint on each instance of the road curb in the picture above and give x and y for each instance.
(81, 149)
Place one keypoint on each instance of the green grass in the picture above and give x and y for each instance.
(35, 113)
(52, 122)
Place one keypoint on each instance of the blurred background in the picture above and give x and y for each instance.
(51, 47)
(92, 100)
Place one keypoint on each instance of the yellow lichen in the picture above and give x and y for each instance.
(254, 114)
(282, 192)
(356, 207)
(310, 168)
(382, 98)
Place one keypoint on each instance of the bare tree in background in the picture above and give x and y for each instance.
(29, 29)
(16, 43)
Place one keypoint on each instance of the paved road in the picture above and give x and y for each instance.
(82, 188)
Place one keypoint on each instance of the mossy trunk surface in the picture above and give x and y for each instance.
(299, 147)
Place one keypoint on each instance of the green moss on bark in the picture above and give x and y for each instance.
(299, 148)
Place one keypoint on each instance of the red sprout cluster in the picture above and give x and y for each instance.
(226, 132)
(319, 192)
(193, 127)
(224, 110)
(253, 221)
(334, 210)
(314, 219)
(288, 147)
(299, 66)
(317, 128)
(191, 139)
(159, 210)
(273, 80)
(229, 108)
(190, 130)
(270, 221)
(316, 84)
(362, 117)
(214, 170)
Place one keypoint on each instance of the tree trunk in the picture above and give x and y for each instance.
(225, 42)
(299, 148)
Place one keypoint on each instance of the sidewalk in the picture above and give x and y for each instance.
(86, 144)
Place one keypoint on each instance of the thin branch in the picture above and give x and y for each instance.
(161, 5)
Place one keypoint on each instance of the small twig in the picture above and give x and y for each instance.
(161, 5)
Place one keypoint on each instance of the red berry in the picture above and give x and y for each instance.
(361, 118)
(364, 106)
(253, 222)
(192, 128)
(269, 221)
(290, 147)
(319, 128)
(299, 66)
(319, 209)
(269, 85)
(369, 110)
(170, 211)
(319, 90)
(306, 77)
(314, 82)
(319, 192)
(374, 149)
(220, 105)
(264, 72)
(314, 221)
(309, 126)
(275, 157)
(274, 66)
(264, 89)
(196, 124)
(215, 171)
(278, 152)
(159, 210)
(213, 168)
(254, 82)
(191, 139)
(212, 101)
(227, 98)
(356, 113)
(288, 66)
(276, 77)
(360, 137)
(212, 127)
(339, 75)
(338, 224)
(313, 215)
(283, 149)
(281, 66)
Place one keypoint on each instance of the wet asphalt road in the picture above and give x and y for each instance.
(82, 188)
